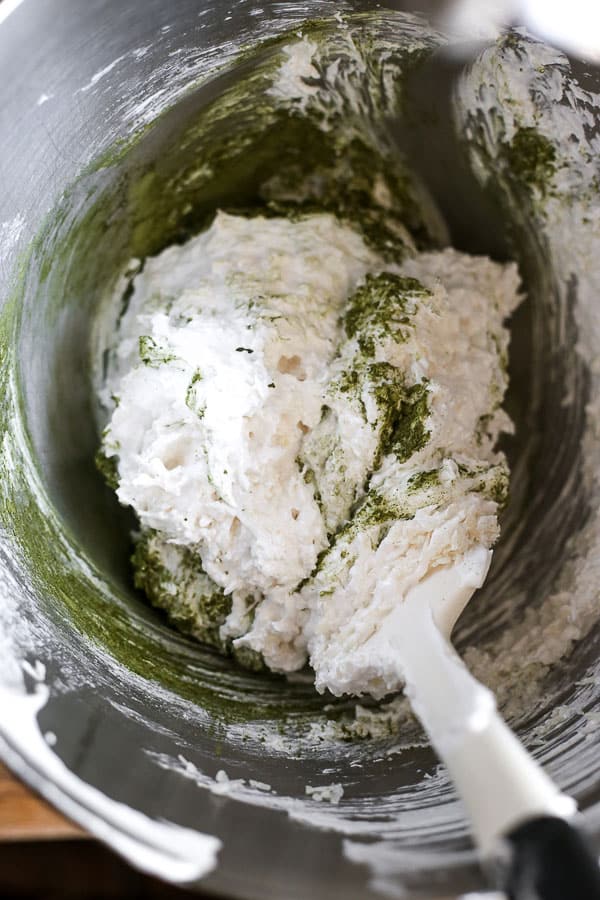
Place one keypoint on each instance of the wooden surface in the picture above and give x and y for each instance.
(35, 864)
(25, 817)
(43, 856)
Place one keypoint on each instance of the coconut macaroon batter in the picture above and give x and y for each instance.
(305, 431)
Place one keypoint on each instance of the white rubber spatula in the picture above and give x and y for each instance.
(507, 794)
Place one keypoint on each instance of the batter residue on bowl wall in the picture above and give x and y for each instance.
(539, 150)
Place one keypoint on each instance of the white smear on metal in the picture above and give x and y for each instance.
(101, 74)
(385, 862)
(396, 812)
(35, 670)
(43, 98)
(158, 848)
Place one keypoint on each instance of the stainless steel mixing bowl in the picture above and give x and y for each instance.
(97, 146)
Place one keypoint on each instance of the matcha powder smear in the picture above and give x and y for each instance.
(305, 430)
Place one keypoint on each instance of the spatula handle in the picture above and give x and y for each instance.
(551, 860)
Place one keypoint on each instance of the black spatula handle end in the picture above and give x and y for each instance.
(550, 859)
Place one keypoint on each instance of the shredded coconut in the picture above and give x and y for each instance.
(327, 793)
(316, 426)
